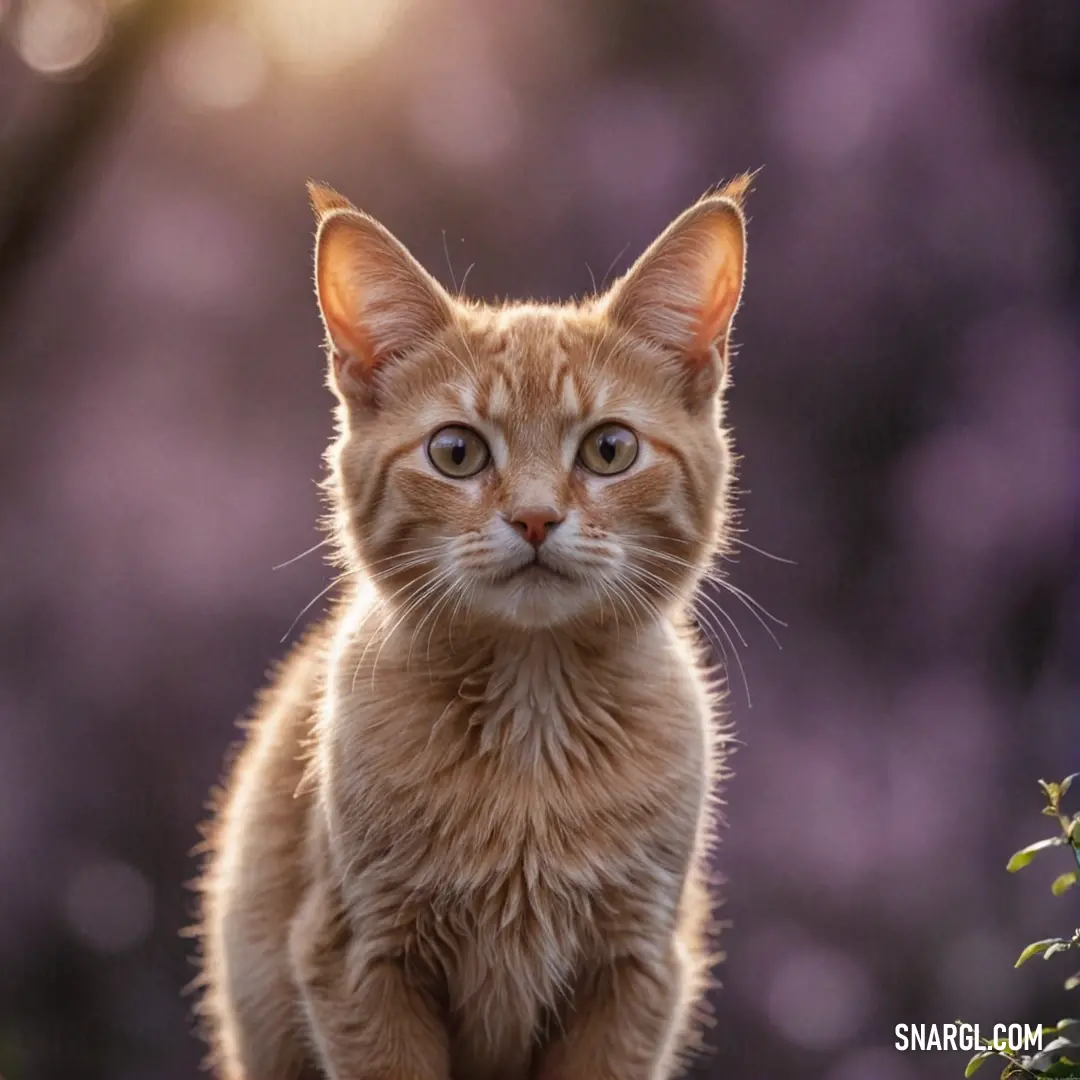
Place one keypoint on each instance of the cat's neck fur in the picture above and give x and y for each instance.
(538, 690)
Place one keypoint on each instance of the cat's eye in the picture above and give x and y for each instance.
(609, 449)
(458, 452)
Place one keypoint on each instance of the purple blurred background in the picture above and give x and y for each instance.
(905, 399)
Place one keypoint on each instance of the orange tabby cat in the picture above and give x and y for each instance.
(467, 835)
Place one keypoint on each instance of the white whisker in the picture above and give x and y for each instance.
(717, 610)
(314, 600)
(303, 554)
(762, 551)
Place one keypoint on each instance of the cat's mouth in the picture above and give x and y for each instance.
(534, 570)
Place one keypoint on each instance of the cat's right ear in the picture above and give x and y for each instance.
(681, 295)
(377, 301)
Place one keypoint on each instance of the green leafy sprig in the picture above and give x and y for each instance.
(1054, 1059)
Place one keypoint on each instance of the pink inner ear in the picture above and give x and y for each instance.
(343, 320)
(717, 311)
(345, 333)
(376, 299)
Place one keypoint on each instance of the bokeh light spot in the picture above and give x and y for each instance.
(819, 998)
(57, 36)
(217, 65)
(109, 905)
(472, 121)
(323, 36)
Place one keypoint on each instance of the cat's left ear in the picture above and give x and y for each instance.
(377, 301)
(681, 295)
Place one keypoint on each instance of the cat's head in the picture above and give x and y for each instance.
(531, 464)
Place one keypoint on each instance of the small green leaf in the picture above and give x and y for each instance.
(1063, 882)
(1067, 782)
(1074, 830)
(1073, 981)
(1037, 947)
(1025, 855)
(977, 1062)
(1058, 946)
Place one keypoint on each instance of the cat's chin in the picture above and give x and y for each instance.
(536, 598)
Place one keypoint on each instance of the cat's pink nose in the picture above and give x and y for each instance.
(535, 522)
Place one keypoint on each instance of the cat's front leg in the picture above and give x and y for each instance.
(366, 1021)
(623, 1021)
